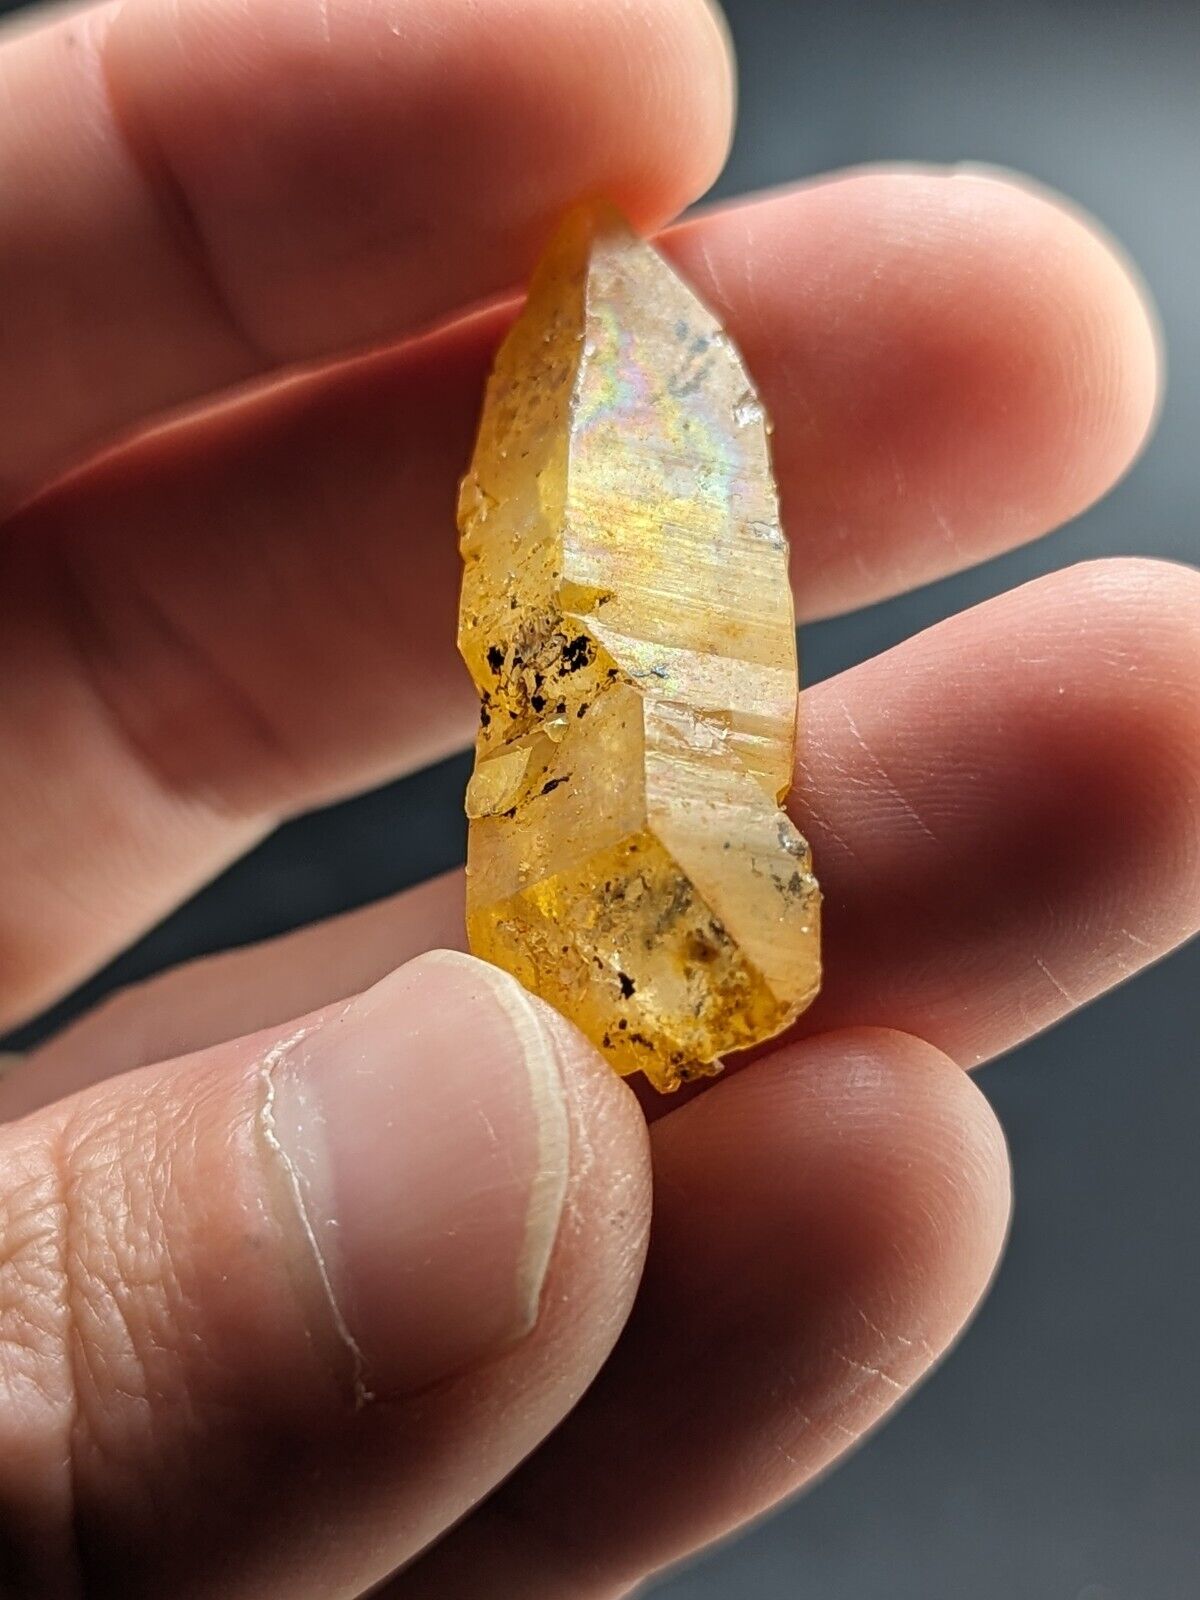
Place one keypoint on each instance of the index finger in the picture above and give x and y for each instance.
(200, 192)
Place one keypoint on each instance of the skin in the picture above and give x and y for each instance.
(261, 219)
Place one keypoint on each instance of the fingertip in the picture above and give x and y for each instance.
(913, 1196)
(443, 1134)
(1120, 691)
(1039, 342)
(1136, 585)
(882, 1168)
(1139, 738)
(1090, 309)
(697, 97)
(353, 169)
(953, 1181)
(595, 1249)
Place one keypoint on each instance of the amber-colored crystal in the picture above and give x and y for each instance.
(627, 618)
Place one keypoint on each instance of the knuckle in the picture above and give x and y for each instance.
(170, 691)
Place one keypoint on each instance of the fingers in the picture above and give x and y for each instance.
(824, 1224)
(282, 1312)
(192, 711)
(198, 193)
(1005, 818)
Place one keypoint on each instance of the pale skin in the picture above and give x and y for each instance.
(251, 613)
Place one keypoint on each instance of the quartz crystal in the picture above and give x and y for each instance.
(627, 618)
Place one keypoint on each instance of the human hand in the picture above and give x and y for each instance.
(433, 1194)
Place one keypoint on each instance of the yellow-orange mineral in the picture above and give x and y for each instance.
(627, 619)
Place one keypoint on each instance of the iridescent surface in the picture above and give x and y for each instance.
(627, 618)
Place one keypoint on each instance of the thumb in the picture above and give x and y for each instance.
(274, 1315)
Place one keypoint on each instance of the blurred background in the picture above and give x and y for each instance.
(1056, 1455)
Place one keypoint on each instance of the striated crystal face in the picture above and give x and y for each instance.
(627, 618)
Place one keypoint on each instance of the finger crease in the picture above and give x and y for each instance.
(169, 198)
(175, 765)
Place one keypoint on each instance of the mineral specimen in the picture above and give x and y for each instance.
(627, 618)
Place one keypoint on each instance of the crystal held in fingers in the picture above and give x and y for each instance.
(627, 619)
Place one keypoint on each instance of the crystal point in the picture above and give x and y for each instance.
(627, 619)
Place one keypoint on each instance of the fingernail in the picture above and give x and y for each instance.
(424, 1137)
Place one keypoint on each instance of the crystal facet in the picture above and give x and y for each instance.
(627, 618)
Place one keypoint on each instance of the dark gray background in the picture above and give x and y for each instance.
(1056, 1456)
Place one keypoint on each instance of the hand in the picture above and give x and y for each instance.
(329, 1273)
